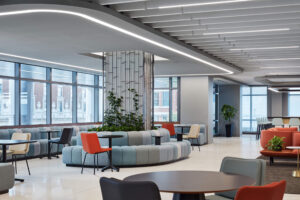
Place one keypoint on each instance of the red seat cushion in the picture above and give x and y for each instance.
(287, 129)
(283, 153)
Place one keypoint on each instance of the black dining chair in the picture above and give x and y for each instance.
(114, 189)
(65, 139)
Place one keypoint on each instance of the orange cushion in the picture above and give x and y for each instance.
(267, 135)
(287, 129)
(283, 153)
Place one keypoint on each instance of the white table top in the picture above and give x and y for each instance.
(293, 147)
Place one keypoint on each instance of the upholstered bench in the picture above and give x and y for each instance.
(7, 177)
(133, 149)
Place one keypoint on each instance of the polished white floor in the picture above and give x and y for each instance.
(51, 179)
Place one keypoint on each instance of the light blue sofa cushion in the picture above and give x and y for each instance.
(135, 138)
(123, 141)
(4, 134)
(129, 155)
(147, 137)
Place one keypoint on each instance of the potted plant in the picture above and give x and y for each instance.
(228, 113)
(275, 144)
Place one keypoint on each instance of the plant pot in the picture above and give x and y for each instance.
(228, 128)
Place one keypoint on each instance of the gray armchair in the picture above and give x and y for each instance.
(7, 179)
(254, 168)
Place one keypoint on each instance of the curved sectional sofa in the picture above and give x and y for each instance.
(135, 148)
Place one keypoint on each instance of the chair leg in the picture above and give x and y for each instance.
(192, 144)
(97, 163)
(83, 163)
(27, 165)
(94, 164)
(16, 167)
(57, 151)
(198, 141)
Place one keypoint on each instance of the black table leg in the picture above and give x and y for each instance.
(177, 196)
(179, 137)
(19, 179)
(4, 153)
(49, 146)
(110, 165)
(157, 140)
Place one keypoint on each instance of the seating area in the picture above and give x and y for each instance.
(150, 100)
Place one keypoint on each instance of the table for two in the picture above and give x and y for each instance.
(192, 185)
(5, 143)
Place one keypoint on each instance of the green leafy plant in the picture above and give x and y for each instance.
(116, 119)
(275, 144)
(228, 112)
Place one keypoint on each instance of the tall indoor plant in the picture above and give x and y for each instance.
(228, 113)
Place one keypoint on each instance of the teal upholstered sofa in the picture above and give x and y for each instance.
(133, 149)
(40, 148)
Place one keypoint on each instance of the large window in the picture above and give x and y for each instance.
(254, 105)
(294, 106)
(166, 99)
(31, 95)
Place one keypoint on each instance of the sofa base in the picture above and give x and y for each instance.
(4, 192)
(129, 166)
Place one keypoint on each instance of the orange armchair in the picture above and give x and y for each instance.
(273, 191)
(91, 145)
(170, 128)
(291, 138)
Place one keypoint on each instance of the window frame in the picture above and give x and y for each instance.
(48, 81)
(170, 90)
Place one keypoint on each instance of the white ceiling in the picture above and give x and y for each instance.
(194, 25)
(63, 38)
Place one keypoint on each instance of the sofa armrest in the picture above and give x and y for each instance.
(7, 175)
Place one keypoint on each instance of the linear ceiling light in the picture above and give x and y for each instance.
(202, 4)
(273, 59)
(281, 67)
(116, 28)
(48, 62)
(273, 90)
(250, 31)
(265, 48)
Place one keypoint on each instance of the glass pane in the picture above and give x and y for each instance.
(245, 90)
(174, 82)
(61, 76)
(259, 90)
(259, 106)
(101, 81)
(174, 106)
(7, 68)
(7, 102)
(85, 79)
(246, 126)
(33, 103)
(294, 106)
(85, 104)
(161, 105)
(33, 72)
(61, 104)
(100, 105)
(246, 107)
(161, 82)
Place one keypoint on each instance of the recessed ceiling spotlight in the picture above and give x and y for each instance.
(273, 90)
(202, 4)
(116, 28)
(265, 48)
(48, 62)
(249, 31)
(273, 59)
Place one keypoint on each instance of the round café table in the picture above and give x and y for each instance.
(192, 185)
(110, 165)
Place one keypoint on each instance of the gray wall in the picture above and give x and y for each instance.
(231, 95)
(277, 104)
(196, 102)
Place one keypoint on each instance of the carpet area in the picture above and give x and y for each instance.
(282, 169)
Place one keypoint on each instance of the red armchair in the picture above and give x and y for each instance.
(291, 138)
(170, 128)
(273, 191)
